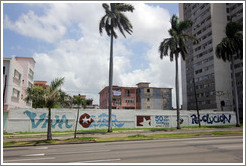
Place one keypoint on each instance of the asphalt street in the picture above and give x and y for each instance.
(216, 149)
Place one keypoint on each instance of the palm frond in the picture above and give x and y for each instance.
(124, 7)
(115, 19)
(183, 25)
(56, 83)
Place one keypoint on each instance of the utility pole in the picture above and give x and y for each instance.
(197, 109)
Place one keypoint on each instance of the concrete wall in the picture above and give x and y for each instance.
(35, 120)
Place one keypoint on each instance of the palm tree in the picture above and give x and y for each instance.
(79, 101)
(227, 49)
(51, 96)
(176, 45)
(112, 20)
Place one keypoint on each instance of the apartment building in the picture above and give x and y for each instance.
(18, 74)
(235, 13)
(122, 98)
(140, 97)
(153, 97)
(202, 69)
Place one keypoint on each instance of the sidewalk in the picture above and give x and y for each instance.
(124, 133)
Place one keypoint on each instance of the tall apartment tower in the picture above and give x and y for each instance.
(202, 69)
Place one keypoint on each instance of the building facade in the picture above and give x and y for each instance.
(18, 75)
(202, 69)
(140, 97)
(122, 98)
(153, 98)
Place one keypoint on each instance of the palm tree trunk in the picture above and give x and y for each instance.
(235, 92)
(49, 136)
(110, 86)
(177, 91)
(76, 123)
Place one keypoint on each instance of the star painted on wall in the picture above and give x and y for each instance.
(145, 122)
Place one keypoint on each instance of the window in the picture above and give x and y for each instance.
(3, 70)
(198, 71)
(15, 93)
(148, 90)
(17, 75)
(127, 92)
(29, 84)
(31, 73)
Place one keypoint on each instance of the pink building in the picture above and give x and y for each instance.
(18, 74)
(122, 98)
(141, 97)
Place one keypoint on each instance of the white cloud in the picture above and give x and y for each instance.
(38, 27)
(150, 24)
(84, 61)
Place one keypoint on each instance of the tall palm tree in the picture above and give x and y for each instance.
(51, 96)
(112, 20)
(229, 48)
(176, 45)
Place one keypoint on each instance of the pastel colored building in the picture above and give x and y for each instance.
(122, 98)
(18, 75)
(140, 97)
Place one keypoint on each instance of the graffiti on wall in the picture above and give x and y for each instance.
(85, 120)
(162, 121)
(211, 119)
(88, 121)
(143, 121)
(43, 120)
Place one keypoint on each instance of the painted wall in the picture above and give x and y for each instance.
(35, 120)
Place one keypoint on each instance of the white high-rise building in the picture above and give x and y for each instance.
(212, 76)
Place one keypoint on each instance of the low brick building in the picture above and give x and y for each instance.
(140, 97)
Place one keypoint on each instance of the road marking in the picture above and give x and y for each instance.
(95, 151)
(31, 155)
(40, 148)
(51, 158)
(105, 160)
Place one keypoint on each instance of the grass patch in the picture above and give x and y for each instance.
(132, 137)
(137, 136)
(123, 130)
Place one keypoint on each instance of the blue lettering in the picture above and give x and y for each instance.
(43, 118)
(211, 119)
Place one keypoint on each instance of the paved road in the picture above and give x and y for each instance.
(220, 149)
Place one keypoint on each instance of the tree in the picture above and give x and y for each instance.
(36, 95)
(176, 45)
(65, 100)
(50, 96)
(112, 20)
(79, 101)
(229, 48)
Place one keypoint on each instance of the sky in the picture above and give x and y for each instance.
(64, 40)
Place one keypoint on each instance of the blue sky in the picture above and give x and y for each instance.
(63, 39)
